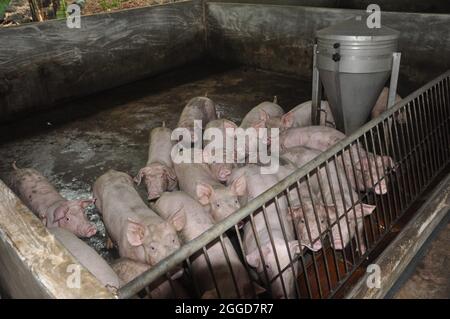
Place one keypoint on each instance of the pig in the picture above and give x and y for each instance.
(339, 203)
(198, 221)
(44, 201)
(369, 168)
(257, 116)
(87, 257)
(197, 180)
(266, 265)
(140, 234)
(127, 270)
(199, 108)
(299, 116)
(381, 106)
(221, 169)
(158, 173)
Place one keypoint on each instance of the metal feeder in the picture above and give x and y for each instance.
(353, 62)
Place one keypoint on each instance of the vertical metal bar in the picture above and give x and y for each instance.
(396, 56)
(227, 257)
(247, 267)
(208, 262)
(172, 287)
(261, 255)
(316, 90)
(321, 237)
(286, 241)
(319, 180)
(272, 242)
(194, 282)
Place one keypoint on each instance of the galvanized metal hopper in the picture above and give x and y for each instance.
(354, 63)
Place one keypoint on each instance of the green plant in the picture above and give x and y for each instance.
(110, 4)
(3, 5)
(61, 13)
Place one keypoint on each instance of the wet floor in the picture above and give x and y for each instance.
(77, 142)
(429, 276)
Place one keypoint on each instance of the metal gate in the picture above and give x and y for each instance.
(415, 133)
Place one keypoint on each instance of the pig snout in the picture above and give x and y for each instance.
(156, 185)
(88, 230)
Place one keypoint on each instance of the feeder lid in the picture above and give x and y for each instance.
(356, 29)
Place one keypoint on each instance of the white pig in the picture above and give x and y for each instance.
(197, 180)
(158, 173)
(128, 269)
(281, 281)
(197, 222)
(140, 234)
(369, 168)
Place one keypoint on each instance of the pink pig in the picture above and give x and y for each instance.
(198, 221)
(197, 180)
(139, 233)
(199, 108)
(226, 127)
(45, 201)
(158, 173)
(369, 168)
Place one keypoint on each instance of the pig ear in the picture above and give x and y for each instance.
(210, 294)
(135, 233)
(204, 193)
(363, 210)
(60, 213)
(85, 203)
(178, 219)
(253, 259)
(263, 116)
(294, 247)
(138, 177)
(287, 120)
(388, 162)
(229, 124)
(239, 186)
(294, 212)
(170, 173)
(259, 124)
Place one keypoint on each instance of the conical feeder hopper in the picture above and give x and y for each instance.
(354, 63)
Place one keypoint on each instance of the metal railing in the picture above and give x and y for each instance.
(415, 133)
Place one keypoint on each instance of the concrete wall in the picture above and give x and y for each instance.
(43, 64)
(280, 38)
(429, 6)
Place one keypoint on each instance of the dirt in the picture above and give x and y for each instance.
(99, 6)
(431, 277)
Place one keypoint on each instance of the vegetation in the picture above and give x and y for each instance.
(110, 4)
(3, 5)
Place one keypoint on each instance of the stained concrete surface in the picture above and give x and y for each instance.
(76, 143)
(430, 278)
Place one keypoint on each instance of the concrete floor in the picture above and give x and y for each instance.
(429, 277)
(76, 143)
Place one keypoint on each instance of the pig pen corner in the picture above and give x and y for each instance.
(93, 204)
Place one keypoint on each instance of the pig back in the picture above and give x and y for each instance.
(198, 220)
(34, 190)
(198, 108)
(160, 146)
(254, 116)
(87, 257)
(118, 201)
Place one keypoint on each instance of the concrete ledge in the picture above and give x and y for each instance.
(396, 257)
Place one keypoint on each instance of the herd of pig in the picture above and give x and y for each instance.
(192, 197)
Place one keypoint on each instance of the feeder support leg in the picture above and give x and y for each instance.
(394, 78)
(316, 91)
